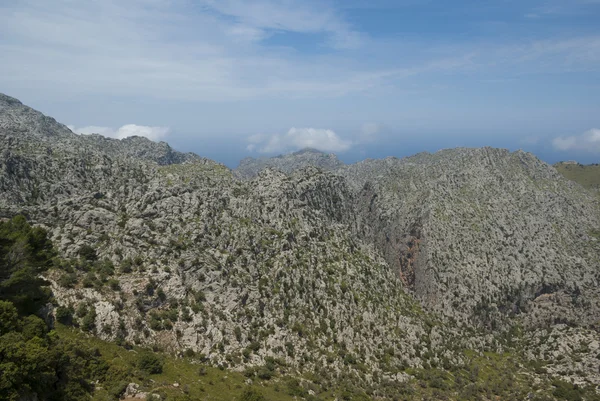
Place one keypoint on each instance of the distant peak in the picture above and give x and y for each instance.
(308, 150)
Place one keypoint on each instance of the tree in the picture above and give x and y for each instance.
(25, 253)
(9, 318)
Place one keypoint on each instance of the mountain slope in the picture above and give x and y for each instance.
(236, 270)
(480, 230)
(27, 130)
(359, 274)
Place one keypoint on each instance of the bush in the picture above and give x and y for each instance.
(252, 394)
(150, 363)
(88, 322)
(68, 280)
(126, 266)
(566, 391)
(88, 253)
(64, 315)
(116, 390)
(114, 284)
(265, 374)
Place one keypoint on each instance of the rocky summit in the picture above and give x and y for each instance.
(250, 167)
(391, 277)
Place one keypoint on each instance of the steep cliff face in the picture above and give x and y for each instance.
(480, 231)
(363, 269)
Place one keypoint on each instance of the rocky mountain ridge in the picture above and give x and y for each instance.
(22, 126)
(356, 271)
(288, 163)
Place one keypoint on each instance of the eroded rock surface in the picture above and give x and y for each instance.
(371, 267)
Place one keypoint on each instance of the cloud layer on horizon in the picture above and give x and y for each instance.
(324, 140)
(589, 141)
(153, 133)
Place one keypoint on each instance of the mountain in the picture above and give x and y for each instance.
(24, 128)
(288, 163)
(393, 277)
(481, 230)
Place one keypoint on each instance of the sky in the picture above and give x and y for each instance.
(363, 79)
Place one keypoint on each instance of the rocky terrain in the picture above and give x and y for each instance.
(356, 273)
(250, 167)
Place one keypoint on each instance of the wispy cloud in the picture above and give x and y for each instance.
(558, 8)
(325, 140)
(218, 51)
(152, 133)
(588, 142)
(272, 16)
(170, 49)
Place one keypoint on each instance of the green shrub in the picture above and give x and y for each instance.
(114, 284)
(116, 390)
(67, 280)
(566, 391)
(150, 363)
(88, 322)
(265, 374)
(252, 394)
(88, 253)
(126, 266)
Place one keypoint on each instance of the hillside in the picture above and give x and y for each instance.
(373, 277)
(588, 176)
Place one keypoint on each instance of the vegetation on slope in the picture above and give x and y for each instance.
(62, 363)
(587, 176)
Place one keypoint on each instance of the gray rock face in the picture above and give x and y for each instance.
(479, 231)
(377, 265)
(250, 167)
(25, 129)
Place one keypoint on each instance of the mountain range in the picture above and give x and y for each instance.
(371, 275)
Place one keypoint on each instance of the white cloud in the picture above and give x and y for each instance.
(152, 133)
(324, 140)
(588, 141)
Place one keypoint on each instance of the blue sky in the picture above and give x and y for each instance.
(233, 78)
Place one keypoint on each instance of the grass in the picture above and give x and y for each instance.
(181, 378)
